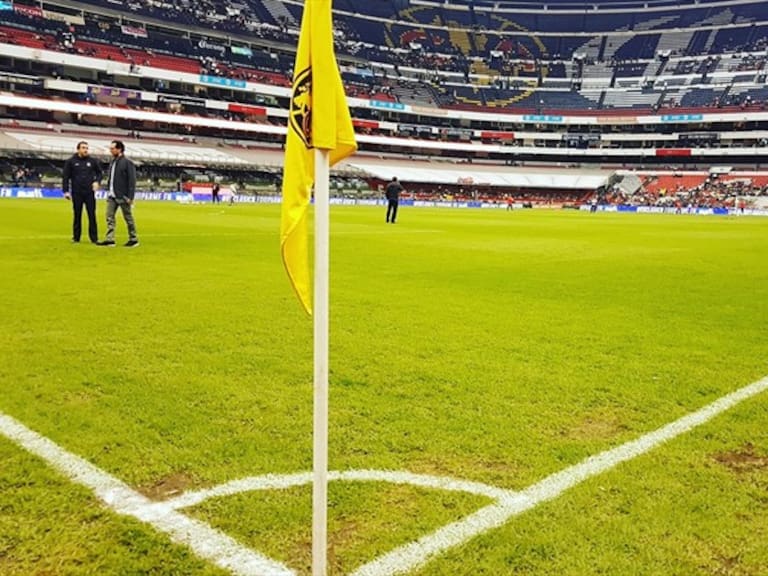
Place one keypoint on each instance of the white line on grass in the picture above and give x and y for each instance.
(204, 540)
(66, 239)
(415, 554)
(283, 481)
(223, 551)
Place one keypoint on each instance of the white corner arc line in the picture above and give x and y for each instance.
(281, 482)
(415, 554)
(205, 541)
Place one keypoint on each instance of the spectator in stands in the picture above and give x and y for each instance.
(81, 179)
(122, 189)
(21, 176)
(393, 197)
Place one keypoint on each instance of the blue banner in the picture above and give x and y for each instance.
(386, 105)
(682, 117)
(24, 192)
(186, 197)
(220, 81)
(6, 5)
(543, 118)
(242, 50)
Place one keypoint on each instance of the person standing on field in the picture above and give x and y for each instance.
(121, 191)
(81, 179)
(393, 197)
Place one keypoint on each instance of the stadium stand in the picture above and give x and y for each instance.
(496, 83)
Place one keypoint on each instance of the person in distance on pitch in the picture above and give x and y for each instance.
(393, 197)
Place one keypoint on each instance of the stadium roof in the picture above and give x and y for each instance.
(476, 175)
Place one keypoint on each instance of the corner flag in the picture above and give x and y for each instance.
(318, 118)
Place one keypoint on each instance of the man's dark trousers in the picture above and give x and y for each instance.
(88, 200)
(391, 211)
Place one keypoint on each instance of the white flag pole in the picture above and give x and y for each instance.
(320, 422)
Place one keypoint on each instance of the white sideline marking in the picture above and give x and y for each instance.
(65, 238)
(418, 553)
(225, 552)
(204, 540)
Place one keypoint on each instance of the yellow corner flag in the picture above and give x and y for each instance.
(318, 118)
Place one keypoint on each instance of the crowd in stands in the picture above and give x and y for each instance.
(710, 192)
(692, 192)
(19, 174)
(407, 45)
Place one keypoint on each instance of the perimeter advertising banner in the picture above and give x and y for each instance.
(134, 31)
(31, 11)
(62, 17)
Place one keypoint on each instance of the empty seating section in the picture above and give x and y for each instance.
(511, 21)
(545, 101)
(746, 95)
(630, 69)
(261, 13)
(293, 9)
(371, 30)
(557, 70)
(596, 21)
(698, 42)
(597, 74)
(675, 43)
(461, 18)
(422, 15)
(285, 14)
(468, 95)
(416, 94)
(562, 47)
(701, 97)
(730, 39)
(631, 98)
(26, 38)
(637, 47)
(496, 98)
(671, 82)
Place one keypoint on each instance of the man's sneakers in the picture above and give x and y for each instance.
(130, 244)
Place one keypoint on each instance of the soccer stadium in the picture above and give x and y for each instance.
(554, 364)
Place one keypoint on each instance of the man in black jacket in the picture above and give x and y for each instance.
(121, 189)
(393, 197)
(82, 175)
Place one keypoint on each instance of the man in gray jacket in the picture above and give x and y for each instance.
(121, 188)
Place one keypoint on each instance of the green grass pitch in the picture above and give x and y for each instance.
(491, 346)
